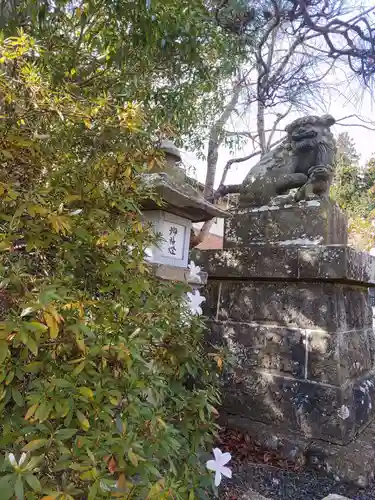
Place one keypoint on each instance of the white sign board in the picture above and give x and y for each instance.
(173, 240)
(174, 232)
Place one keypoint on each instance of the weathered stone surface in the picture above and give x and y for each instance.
(171, 273)
(255, 261)
(371, 344)
(364, 399)
(324, 306)
(353, 462)
(308, 222)
(296, 318)
(179, 198)
(288, 446)
(299, 406)
(336, 497)
(252, 495)
(258, 346)
(337, 263)
(324, 263)
(310, 354)
(335, 359)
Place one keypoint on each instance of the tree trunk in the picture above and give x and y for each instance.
(261, 128)
(215, 141)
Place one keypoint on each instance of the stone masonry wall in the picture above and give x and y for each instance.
(296, 319)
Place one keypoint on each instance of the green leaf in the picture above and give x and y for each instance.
(33, 367)
(77, 370)
(133, 458)
(6, 486)
(35, 445)
(31, 344)
(89, 475)
(9, 378)
(33, 482)
(36, 327)
(34, 462)
(17, 397)
(42, 412)
(78, 467)
(3, 350)
(93, 491)
(86, 392)
(119, 424)
(63, 434)
(60, 382)
(18, 488)
(85, 424)
(30, 412)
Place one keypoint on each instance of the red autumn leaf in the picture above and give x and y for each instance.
(112, 465)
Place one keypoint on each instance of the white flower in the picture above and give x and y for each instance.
(218, 465)
(13, 461)
(343, 412)
(76, 212)
(195, 300)
(194, 272)
(106, 487)
(148, 254)
(27, 311)
(42, 137)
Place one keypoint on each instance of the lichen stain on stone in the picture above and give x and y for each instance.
(264, 208)
(313, 203)
(343, 412)
(301, 241)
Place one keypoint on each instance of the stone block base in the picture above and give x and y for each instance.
(303, 354)
(307, 222)
(312, 410)
(289, 300)
(353, 462)
(303, 348)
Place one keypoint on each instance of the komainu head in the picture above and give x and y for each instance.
(309, 131)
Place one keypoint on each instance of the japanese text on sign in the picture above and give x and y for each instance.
(173, 231)
(174, 240)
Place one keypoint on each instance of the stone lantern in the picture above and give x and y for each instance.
(182, 205)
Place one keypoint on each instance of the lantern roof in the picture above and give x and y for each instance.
(180, 199)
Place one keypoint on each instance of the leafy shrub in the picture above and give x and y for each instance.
(96, 391)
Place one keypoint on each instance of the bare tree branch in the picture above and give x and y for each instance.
(245, 158)
(362, 125)
(279, 118)
(360, 47)
(299, 42)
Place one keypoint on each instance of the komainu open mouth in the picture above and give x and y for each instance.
(310, 134)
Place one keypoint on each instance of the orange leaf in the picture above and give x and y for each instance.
(52, 325)
(121, 482)
(219, 363)
(112, 465)
(31, 411)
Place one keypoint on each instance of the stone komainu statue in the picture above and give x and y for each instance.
(305, 160)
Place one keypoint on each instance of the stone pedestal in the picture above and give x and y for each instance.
(308, 222)
(289, 299)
